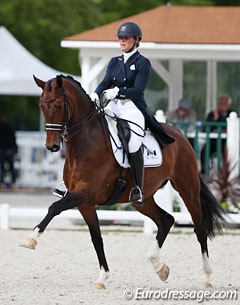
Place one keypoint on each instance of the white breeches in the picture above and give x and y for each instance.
(126, 109)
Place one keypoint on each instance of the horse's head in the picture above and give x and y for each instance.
(54, 105)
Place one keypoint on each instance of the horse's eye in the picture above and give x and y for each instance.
(59, 107)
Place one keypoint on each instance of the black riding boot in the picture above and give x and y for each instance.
(137, 167)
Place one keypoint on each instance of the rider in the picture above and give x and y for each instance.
(124, 83)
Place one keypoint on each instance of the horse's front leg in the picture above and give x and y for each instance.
(68, 202)
(90, 216)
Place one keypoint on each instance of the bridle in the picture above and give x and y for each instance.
(64, 128)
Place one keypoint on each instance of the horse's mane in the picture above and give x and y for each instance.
(73, 80)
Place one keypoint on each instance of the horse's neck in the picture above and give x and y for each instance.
(87, 131)
(81, 108)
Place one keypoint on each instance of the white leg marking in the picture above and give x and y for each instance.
(206, 268)
(154, 256)
(206, 265)
(160, 268)
(31, 240)
(35, 234)
(103, 276)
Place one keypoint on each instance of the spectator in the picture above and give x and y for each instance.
(182, 114)
(8, 148)
(219, 114)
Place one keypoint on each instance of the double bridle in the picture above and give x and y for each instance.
(64, 128)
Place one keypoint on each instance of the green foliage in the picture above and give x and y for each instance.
(194, 86)
(21, 112)
(118, 9)
(40, 25)
(228, 82)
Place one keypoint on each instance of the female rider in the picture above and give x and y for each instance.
(123, 85)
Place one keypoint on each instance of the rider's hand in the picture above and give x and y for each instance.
(110, 94)
(94, 97)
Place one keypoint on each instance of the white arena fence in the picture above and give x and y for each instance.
(36, 166)
(181, 218)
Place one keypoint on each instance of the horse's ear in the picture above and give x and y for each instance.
(39, 82)
(59, 81)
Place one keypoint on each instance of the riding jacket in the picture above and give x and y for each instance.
(131, 78)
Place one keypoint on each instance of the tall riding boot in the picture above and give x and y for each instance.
(137, 167)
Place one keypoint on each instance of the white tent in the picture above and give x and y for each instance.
(17, 66)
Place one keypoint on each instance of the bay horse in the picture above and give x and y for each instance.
(91, 171)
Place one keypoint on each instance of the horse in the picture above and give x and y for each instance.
(91, 171)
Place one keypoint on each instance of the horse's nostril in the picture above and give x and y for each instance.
(53, 148)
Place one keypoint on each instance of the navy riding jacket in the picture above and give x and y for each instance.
(131, 78)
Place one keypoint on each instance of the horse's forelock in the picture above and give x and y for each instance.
(49, 83)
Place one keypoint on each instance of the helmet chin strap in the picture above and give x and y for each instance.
(133, 47)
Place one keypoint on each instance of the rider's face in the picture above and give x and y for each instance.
(126, 43)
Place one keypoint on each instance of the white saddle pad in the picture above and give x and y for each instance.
(152, 153)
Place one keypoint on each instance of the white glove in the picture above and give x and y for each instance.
(94, 97)
(110, 94)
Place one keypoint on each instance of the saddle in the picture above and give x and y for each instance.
(152, 153)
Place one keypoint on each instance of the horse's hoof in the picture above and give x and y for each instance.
(163, 273)
(29, 243)
(98, 286)
(207, 285)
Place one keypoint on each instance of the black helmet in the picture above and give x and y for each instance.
(130, 29)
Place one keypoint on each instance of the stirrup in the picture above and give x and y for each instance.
(136, 196)
(59, 192)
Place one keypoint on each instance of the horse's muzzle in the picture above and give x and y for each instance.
(53, 142)
(53, 148)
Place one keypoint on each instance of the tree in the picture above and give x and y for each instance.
(41, 25)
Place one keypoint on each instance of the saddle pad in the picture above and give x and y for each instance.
(152, 153)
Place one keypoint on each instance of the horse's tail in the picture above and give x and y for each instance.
(214, 217)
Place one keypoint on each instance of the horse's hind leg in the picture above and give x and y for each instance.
(191, 198)
(164, 222)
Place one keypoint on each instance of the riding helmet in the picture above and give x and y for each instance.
(130, 29)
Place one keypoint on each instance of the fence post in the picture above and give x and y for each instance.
(4, 216)
(233, 144)
(148, 225)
